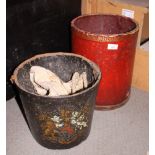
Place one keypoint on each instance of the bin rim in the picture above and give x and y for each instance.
(102, 37)
(92, 64)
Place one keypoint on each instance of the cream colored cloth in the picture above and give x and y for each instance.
(48, 83)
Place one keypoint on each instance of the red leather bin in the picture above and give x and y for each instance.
(109, 41)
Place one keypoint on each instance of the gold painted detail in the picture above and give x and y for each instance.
(101, 38)
(64, 125)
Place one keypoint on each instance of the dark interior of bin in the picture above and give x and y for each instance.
(105, 24)
(64, 66)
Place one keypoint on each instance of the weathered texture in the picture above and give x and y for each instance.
(64, 121)
(111, 43)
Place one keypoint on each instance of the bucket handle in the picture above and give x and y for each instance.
(12, 79)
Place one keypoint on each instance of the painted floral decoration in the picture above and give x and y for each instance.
(64, 125)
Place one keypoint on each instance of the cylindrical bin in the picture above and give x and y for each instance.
(110, 41)
(58, 122)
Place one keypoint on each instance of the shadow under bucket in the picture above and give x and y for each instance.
(110, 41)
(57, 122)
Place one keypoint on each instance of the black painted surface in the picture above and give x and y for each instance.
(37, 26)
(40, 110)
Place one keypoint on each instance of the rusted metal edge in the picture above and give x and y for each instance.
(94, 66)
(12, 79)
(112, 107)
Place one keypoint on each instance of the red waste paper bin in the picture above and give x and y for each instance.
(110, 41)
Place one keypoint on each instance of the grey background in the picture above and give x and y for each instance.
(123, 131)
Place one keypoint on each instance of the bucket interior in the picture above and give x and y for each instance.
(105, 24)
(62, 65)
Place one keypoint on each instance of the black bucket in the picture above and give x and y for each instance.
(58, 122)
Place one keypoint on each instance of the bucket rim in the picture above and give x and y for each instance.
(91, 63)
(103, 37)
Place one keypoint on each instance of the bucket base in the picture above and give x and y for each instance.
(111, 107)
(60, 146)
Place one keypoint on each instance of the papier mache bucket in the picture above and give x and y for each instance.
(110, 41)
(59, 122)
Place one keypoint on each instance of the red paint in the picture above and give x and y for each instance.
(116, 66)
(68, 129)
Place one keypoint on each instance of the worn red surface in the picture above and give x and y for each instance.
(116, 65)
